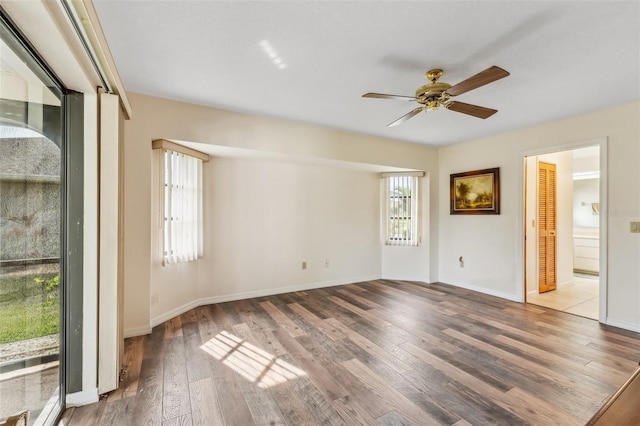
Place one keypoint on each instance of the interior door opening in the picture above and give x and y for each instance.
(562, 230)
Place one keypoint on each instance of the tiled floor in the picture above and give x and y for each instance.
(579, 298)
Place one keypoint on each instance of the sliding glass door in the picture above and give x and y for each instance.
(32, 200)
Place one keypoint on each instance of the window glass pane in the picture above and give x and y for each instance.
(30, 234)
(401, 208)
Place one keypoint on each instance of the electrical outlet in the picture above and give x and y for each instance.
(326, 263)
(304, 265)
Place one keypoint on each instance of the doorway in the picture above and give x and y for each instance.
(562, 226)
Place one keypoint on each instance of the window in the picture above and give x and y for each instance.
(401, 202)
(182, 201)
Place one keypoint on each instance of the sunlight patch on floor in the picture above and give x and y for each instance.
(251, 362)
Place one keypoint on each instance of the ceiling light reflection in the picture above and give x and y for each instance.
(271, 52)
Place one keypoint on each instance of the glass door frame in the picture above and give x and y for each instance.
(71, 143)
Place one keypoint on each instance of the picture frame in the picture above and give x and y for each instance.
(475, 192)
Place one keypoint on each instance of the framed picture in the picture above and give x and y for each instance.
(476, 192)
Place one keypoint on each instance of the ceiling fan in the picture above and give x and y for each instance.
(435, 94)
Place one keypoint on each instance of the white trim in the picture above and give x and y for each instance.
(490, 292)
(165, 144)
(159, 319)
(85, 397)
(520, 260)
(137, 331)
(603, 229)
(622, 324)
(90, 30)
(390, 174)
(109, 245)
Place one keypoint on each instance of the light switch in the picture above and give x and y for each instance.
(634, 227)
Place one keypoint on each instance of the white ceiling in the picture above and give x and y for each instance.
(565, 58)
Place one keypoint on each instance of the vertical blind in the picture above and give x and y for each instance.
(401, 196)
(182, 207)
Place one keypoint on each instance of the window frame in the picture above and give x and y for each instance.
(176, 152)
(402, 206)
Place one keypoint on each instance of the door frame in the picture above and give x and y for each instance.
(602, 144)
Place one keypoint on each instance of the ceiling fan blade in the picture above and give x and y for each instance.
(475, 110)
(484, 77)
(406, 117)
(383, 96)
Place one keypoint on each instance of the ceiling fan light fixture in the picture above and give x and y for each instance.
(432, 103)
(435, 94)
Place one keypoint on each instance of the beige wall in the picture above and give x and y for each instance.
(297, 143)
(493, 257)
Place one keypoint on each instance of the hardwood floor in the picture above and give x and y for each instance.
(379, 352)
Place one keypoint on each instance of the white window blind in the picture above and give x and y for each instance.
(182, 207)
(401, 201)
(180, 201)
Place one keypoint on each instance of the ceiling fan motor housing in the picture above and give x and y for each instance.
(432, 95)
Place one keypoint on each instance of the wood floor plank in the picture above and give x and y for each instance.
(264, 410)
(541, 368)
(173, 327)
(204, 403)
(320, 375)
(184, 420)
(284, 321)
(351, 412)
(330, 331)
(409, 410)
(85, 415)
(175, 395)
(361, 312)
(230, 398)
(206, 326)
(133, 354)
(188, 317)
(354, 295)
(146, 410)
(378, 352)
(116, 413)
(197, 366)
(543, 410)
(371, 347)
(292, 391)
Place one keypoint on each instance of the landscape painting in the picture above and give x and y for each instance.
(476, 192)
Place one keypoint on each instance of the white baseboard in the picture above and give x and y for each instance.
(490, 292)
(166, 316)
(138, 331)
(622, 324)
(78, 399)
(159, 319)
